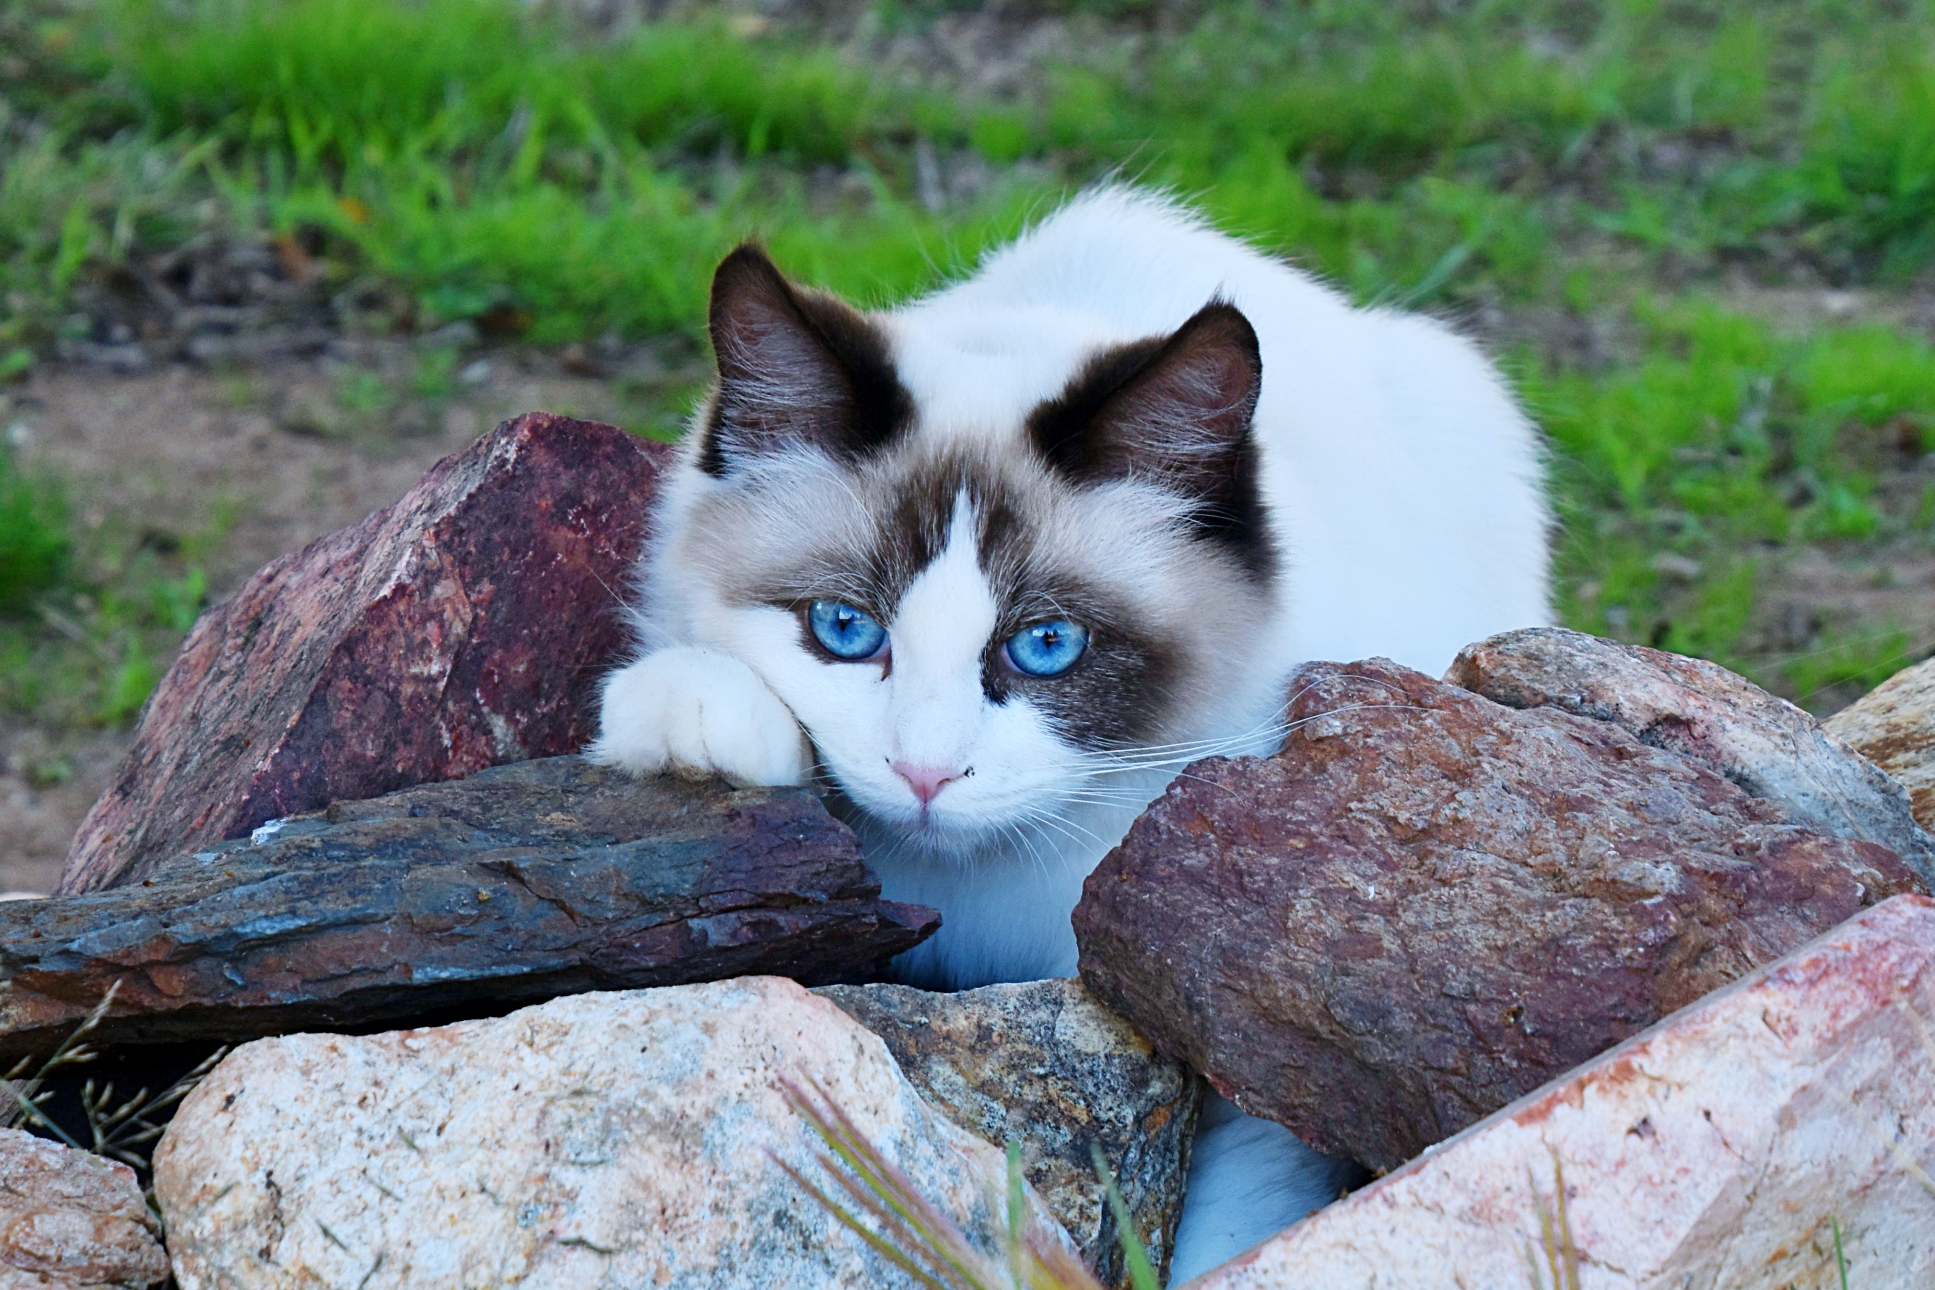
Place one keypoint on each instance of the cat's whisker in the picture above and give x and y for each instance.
(1067, 827)
(1034, 852)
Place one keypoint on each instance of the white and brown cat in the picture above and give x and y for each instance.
(995, 565)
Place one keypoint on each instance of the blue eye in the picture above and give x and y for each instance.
(1046, 649)
(845, 631)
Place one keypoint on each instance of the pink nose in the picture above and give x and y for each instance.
(926, 781)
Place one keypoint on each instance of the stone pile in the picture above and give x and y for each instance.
(1560, 882)
(1428, 904)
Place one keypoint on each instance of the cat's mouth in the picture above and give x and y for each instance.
(935, 828)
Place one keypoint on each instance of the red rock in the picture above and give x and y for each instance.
(1701, 710)
(1428, 904)
(1734, 1144)
(461, 628)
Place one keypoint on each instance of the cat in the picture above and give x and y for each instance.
(992, 567)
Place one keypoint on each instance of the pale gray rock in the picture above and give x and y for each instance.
(71, 1220)
(1893, 726)
(1702, 711)
(617, 1139)
(1044, 1064)
(1723, 1147)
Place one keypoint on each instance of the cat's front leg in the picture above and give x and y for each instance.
(1248, 1180)
(699, 711)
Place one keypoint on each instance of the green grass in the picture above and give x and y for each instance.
(1570, 164)
(34, 538)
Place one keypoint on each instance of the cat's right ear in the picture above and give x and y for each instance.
(797, 369)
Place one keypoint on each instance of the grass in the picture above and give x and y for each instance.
(916, 1236)
(124, 1128)
(34, 538)
(1615, 169)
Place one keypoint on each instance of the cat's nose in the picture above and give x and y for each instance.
(926, 781)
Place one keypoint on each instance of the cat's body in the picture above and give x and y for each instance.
(1073, 454)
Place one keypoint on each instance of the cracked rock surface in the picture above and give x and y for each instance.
(602, 1140)
(1427, 905)
(71, 1220)
(1044, 1064)
(517, 884)
(461, 628)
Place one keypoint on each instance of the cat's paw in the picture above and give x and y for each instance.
(700, 712)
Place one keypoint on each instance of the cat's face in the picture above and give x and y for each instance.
(976, 629)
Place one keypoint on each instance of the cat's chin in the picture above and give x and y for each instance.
(928, 836)
(936, 839)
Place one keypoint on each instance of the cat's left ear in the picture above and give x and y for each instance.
(1175, 411)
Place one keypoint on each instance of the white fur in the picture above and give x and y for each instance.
(691, 708)
(1404, 489)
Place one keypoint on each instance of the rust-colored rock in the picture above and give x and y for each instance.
(1893, 725)
(520, 883)
(1701, 710)
(461, 628)
(71, 1220)
(1429, 904)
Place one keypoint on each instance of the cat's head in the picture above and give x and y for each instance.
(988, 570)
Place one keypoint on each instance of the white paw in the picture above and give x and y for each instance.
(701, 712)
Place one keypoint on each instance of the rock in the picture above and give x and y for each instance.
(1046, 1065)
(1701, 710)
(71, 1220)
(461, 628)
(606, 1139)
(1723, 1147)
(517, 884)
(1427, 905)
(1893, 726)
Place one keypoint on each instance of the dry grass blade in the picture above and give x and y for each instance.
(1561, 1255)
(24, 1104)
(121, 1130)
(909, 1230)
(915, 1236)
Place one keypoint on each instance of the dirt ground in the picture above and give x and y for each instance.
(237, 456)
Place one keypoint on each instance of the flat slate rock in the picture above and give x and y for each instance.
(1044, 1064)
(1428, 904)
(515, 885)
(461, 628)
(1701, 710)
(1893, 725)
(1742, 1142)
